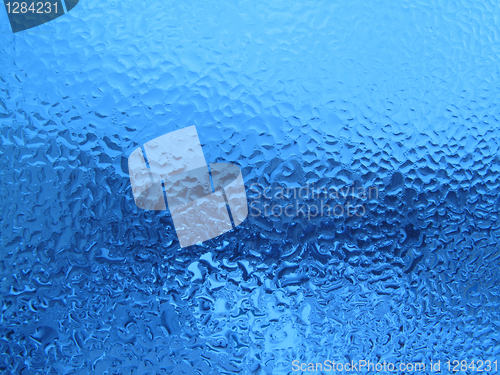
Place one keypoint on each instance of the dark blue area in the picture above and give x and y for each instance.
(31, 13)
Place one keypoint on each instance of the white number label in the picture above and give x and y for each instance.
(23, 8)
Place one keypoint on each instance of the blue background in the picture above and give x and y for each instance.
(398, 95)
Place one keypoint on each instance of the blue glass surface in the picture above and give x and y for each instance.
(401, 97)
